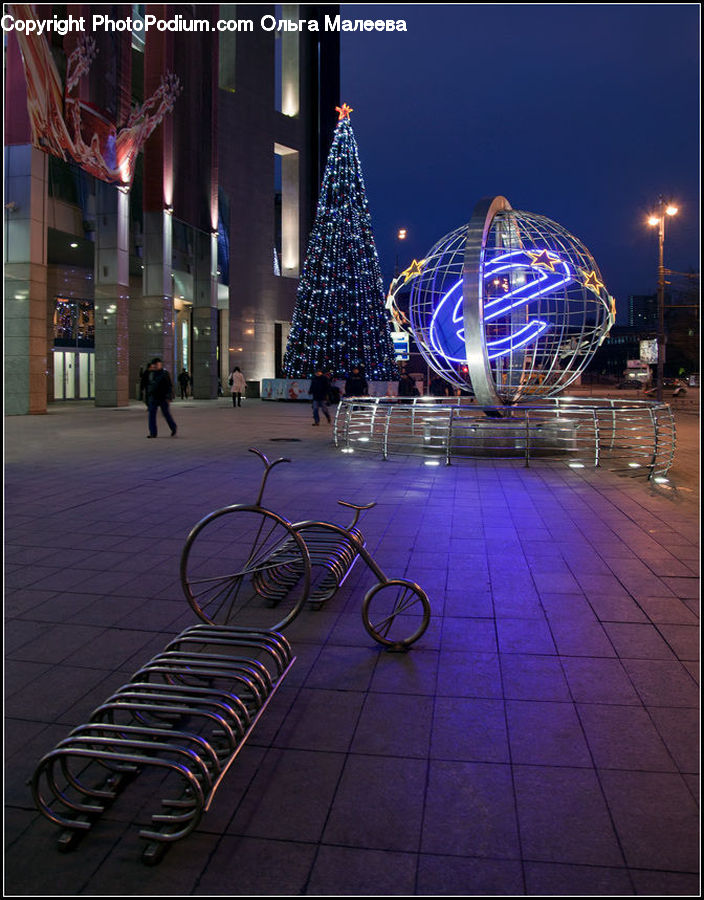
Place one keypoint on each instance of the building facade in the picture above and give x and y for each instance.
(160, 186)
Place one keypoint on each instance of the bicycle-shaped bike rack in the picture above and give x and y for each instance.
(247, 564)
(185, 715)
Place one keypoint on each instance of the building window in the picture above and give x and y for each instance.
(286, 166)
(74, 323)
(226, 49)
(286, 63)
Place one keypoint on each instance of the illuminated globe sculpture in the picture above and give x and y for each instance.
(510, 305)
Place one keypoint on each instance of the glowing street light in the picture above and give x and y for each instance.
(401, 235)
(658, 219)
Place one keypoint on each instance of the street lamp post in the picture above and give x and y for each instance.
(400, 236)
(659, 220)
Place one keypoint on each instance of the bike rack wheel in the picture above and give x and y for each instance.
(245, 565)
(396, 613)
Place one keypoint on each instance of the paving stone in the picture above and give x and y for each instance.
(391, 814)
(662, 682)
(464, 876)
(599, 680)
(545, 733)
(638, 641)
(679, 731)
(524, 636)
(563, 817)
(469, 729)
(253, 866)
(469, 675)
(533, 677)
(656, 819)
(393, 725)
(290, 796)
(624, 737)
(366, 873)
(683, 640)
(661, 884)
(558, 880)
(470, 811)
(668, 610)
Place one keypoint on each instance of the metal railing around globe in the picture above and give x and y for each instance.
(636, 437)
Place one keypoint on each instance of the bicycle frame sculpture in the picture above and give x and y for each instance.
(243, 564)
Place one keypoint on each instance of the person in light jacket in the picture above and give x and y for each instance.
(237, 386)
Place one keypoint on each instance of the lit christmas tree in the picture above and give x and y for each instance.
(340, 320)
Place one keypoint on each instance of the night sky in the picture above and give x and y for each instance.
(584, 114)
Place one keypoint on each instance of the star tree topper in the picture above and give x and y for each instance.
(344, 111)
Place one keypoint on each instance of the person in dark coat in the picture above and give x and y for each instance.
(159, 392)
(356, 384)
(334, 392)
(320, 391)
(406, 386)
(438, 387)
(184, 379)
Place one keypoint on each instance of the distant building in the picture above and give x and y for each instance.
(643, 311)
(621, 344)
(682, 331)
(184, 244)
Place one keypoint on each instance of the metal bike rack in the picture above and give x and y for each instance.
(187, 713)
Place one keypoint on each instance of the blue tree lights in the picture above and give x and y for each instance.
(340, 318)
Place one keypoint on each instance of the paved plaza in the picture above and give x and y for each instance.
(541, 738)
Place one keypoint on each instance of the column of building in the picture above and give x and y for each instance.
(111, 296)
(152, 316)
(26, 322)
(26, 325)
(205, 316)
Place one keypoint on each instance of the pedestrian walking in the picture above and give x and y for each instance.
(438, 388)
(184, 379)
(406, 386)
(159, 392)
(334, 391)
(320, 391)
(238, 385)
(356, 384)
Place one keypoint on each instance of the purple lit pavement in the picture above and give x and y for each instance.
(541, 738)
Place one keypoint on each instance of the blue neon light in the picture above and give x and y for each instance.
(447, 323)
(445, 335)
(517, 339)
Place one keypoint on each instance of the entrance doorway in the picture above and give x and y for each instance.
(74, 349)
(74, 375)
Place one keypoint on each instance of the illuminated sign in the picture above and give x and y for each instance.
(520, 277)
(400, 341)
(649, 351)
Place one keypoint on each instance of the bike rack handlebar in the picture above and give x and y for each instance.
(359, 509)
(268, 467)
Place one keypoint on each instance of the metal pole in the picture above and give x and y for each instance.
(661, 302)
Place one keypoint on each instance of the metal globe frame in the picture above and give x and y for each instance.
(510, 305)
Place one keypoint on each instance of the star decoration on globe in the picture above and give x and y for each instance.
(543, 259)
(413, 270)
(344, 111)
(592, 282)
